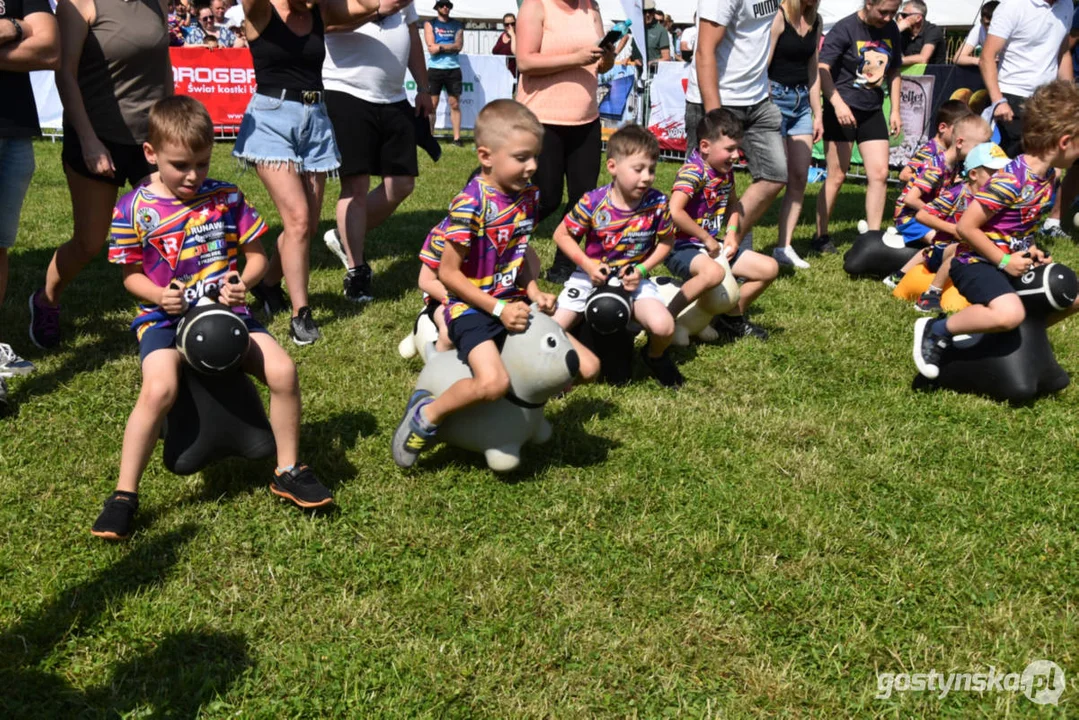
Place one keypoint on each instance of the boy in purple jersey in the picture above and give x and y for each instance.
(627, 231)
(996, 232)
(177, 238)
(484, 271)
(949, 112)
(702, 196)
(944, 212)
(938, 173)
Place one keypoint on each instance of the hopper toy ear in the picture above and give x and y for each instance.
(877, 254)
(214, 417)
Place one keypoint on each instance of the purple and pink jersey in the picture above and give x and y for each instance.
(708, 191)
(1015, 199)
(619, 237)
(921, 155)
(194, 242)
(933, 177)
(494, 228)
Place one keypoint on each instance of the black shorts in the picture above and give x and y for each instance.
(872, 125)
(448, 79)
(979, 282)
(471, 330)
(129, 160)
(373, 139)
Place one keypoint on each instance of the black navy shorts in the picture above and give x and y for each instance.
(438, 79)
(373, 138)
(469, 331)
(161, 338)
(979, 282)
(129, 160)
(872, 125)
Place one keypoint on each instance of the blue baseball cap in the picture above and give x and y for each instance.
(987, 155)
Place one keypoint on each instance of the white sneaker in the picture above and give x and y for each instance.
(333, 242)
(788, 256)
(11, 364)
(863, 227)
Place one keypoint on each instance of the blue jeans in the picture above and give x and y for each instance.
(793, 104)
(16, 169)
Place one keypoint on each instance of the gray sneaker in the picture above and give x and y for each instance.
(410, 439)
(11, 364)
(303, 330)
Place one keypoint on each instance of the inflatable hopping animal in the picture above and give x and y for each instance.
(423, 336)
(695, 320)
(1018, 365)
(604, 330)
(540, 361)
(877, 254)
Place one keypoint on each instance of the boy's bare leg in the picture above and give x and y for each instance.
(490, 381)
(160, 383)
(758, 271)
(705, 274)
(268, 361)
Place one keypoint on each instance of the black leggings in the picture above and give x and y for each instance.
(571, 152)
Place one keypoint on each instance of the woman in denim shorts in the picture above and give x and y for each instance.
(795, 83)
(286, 134)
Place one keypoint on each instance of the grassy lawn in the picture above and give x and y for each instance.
(764, 542)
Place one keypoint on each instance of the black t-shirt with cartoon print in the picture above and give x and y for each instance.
(861, 57)
(18, 118)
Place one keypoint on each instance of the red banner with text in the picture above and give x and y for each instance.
(222, 79)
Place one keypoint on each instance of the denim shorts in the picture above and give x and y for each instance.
(793, 104)
(287, 131)
(16, 169)
(762, 145)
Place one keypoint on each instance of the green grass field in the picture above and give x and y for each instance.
(764, 542)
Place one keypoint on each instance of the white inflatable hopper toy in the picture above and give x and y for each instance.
(423, 336)
(540, 361)
(695, 320)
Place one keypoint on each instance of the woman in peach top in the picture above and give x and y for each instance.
(558, 58)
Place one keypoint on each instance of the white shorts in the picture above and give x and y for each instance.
(579, 288)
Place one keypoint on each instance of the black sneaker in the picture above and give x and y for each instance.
(358, 284)
(114, 522)
(303, 329)
(823, 244)
(300, 486)
(559, 273)
(736, 327)
(271, 298)
(928, 349)
(928, 302)
(458, 142)
(893, 280)
(663, 368)
(410, 438)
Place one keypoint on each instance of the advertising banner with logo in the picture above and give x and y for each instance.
(667, 118)
(484, 78)
(222, 80)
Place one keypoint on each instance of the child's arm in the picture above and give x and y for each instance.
(234, 290)
(514, 315)
(913, 198)
(932, 221)
(906, 173)
(431, 285)
(170, 299)
(734, 225)
(526, 279)
(689, 226)
(569, 247)
(969, 230)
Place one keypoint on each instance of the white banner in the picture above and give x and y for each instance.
(667, 116)
(635, 14)
(484, 78)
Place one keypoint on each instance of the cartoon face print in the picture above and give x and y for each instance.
(873, 64)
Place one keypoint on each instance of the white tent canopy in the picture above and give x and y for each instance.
(949, 13)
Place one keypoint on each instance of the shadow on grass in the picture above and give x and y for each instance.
(323, 445)
(176, 675)
(570, 445)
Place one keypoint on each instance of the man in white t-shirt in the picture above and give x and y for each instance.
(1033, 37)
(688, 42)
(731, 70)
(374, 125)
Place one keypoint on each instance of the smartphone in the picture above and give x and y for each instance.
(611, 39)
